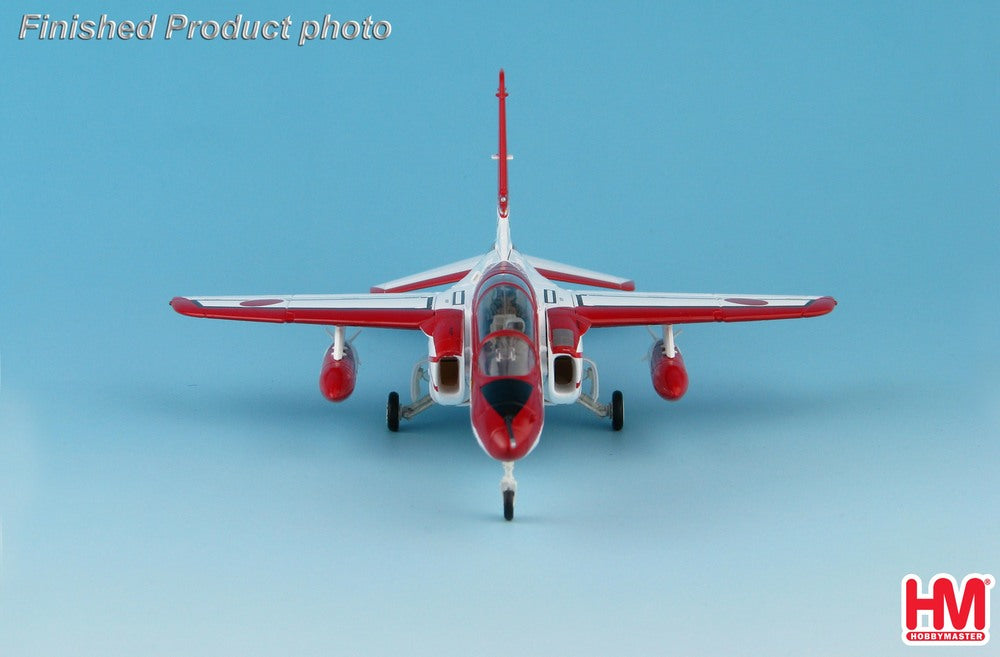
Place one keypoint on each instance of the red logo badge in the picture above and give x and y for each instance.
(946, 614)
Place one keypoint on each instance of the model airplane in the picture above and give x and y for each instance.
(504, 339)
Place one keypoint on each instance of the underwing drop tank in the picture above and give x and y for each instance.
(670, 379)
(338, 376)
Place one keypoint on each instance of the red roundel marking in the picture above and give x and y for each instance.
(747, 302)
(260, 302)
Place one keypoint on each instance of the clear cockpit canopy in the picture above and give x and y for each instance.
(505, 323)
(506, 354)
(504, 305)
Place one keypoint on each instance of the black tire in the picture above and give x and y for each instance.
(392, 411)
(508, 505)
(617, 410)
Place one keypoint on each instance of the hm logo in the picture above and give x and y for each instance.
(947, 614)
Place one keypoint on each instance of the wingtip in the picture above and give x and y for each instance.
(186, 306)
(820, 306)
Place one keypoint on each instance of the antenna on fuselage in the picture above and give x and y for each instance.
(503, 245)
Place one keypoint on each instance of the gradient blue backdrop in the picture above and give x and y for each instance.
(179, 487)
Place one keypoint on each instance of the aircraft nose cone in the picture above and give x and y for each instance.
(510, 427)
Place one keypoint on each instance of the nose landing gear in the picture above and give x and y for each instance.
(508, 486)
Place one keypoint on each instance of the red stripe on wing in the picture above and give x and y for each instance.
(399, 318)
(607, 316)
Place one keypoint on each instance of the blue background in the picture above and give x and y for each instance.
(171, 486)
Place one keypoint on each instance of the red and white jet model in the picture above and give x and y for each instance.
(504, 339)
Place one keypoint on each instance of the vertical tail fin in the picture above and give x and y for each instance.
(503, 245)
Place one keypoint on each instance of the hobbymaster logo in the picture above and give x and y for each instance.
(946, 614)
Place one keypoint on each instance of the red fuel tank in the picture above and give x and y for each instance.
(670, 379)
(336, 380)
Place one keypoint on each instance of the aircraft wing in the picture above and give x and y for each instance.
(401, 311)
(604, 309)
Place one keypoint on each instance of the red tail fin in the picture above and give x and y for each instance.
(502, 154)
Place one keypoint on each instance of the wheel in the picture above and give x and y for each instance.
(392, 411)
(617, 410)
(508, 505)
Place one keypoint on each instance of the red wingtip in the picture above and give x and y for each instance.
(820, 306)
(187, 307)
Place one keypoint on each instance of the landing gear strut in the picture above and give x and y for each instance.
(394, 412)
(588, 398)
(508, 486)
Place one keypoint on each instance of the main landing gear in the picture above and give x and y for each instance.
(588, 398)
(394, 412)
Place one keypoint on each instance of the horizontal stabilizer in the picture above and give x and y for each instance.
(557, 271)
(443, 275)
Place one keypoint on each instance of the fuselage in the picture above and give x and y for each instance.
(505, 353)
(506, 404)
